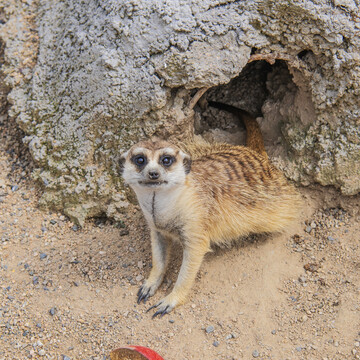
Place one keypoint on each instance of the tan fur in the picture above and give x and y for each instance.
(231, 191)
(240, 192)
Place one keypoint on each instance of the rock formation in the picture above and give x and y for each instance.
(87, 79)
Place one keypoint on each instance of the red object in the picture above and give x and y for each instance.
(148, 353)
(128, 351)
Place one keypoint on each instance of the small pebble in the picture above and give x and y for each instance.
(43, 256)
(124, 232)
(312, 267)
(75, 228)
(209, 329)
(171, 321)
(64, 357)
(52, 311)
(41, 352)
(255, 354)
(35, 280)
(273, 332)
(298, 348)
(216, 343)
(308, 229)
(14, 188)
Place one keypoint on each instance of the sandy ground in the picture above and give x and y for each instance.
(70, 293)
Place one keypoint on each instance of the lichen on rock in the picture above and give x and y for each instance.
(89, 79)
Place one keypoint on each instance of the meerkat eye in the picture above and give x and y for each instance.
(139, 160)
(167, 160)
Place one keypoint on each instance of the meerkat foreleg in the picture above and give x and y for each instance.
(192, 259)
(160, 247)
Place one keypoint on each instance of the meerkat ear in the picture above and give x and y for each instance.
(186, 161)
(122, 160)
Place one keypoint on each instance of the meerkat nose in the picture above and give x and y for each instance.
(153, 175)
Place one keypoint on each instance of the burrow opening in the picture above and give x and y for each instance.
(277, 96)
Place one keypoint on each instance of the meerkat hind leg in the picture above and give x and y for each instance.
(192, 259)
(160, 247)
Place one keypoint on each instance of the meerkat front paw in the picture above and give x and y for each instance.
(165, 305)
(146, 290)
(143, 294)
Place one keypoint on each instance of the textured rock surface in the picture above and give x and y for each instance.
(97, 76)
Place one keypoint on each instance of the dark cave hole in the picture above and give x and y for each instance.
(253, 51)
(263, 90)
(302, 54)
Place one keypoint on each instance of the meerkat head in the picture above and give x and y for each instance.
(154, 164)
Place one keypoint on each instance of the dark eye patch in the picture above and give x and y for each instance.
(139, 160)
(167, 160)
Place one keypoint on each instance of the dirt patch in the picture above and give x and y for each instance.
(70, 293)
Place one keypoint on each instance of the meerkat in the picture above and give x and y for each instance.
(203, 194)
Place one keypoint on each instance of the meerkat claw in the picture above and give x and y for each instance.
(152, 307)
(163, 307)
(143, 295)
(161, 312)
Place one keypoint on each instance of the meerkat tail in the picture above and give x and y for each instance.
(254, 138)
